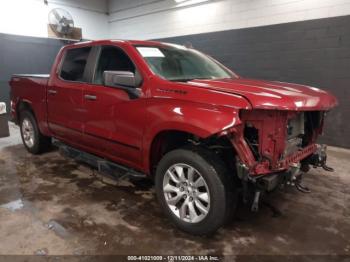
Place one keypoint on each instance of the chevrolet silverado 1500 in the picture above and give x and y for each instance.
(203, 133)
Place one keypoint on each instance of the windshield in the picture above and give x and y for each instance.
(177, 63)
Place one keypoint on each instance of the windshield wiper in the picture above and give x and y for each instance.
(187, 79)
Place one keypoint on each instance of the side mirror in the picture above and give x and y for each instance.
(119, 79)
(125, 80)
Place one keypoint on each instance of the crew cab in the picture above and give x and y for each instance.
(204, 134)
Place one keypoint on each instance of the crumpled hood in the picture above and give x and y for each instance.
(272, 94)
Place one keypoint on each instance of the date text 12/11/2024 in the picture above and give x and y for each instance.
(174, 258)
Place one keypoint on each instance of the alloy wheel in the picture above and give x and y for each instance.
(186, 193)
(28, 132)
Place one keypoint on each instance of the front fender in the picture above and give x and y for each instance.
(202, 120)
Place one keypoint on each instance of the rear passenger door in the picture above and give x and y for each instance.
(65, 96)
(114, 119)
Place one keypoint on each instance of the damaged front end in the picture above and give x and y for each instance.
(276, 148)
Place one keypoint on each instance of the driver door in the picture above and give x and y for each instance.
(114, 121)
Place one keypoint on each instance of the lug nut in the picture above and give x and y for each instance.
(181, 189)
(191, 198)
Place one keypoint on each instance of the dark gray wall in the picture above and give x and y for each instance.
(22, 55)
(315, 52)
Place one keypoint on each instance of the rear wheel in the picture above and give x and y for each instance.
(193, 189)
(32, 139)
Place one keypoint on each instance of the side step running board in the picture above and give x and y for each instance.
(102, 165)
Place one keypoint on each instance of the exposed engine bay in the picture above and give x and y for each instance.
(283, 147)
(275, 135)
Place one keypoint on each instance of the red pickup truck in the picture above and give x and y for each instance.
(204, 134)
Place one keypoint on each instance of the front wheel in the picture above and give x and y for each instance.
(192, 187)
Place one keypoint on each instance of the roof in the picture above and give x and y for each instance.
(111, 41)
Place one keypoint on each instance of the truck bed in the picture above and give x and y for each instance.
(30, 88)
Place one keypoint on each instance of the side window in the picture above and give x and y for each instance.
(74, 64)
(112, 59)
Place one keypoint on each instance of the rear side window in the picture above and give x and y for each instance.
(74, 64)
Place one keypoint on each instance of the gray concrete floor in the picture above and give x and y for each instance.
(13, 139)
(52, 205)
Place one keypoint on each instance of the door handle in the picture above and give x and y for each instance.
(90, 97)
(52, 92)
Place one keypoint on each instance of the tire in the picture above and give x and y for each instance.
(32, 139)
(221, 191)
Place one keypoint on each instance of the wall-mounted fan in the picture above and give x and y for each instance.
(61, 21)
(61, 25)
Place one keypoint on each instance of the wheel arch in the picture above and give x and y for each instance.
(26, 105)
(23, 105)
(170, 139)
(165, 141)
